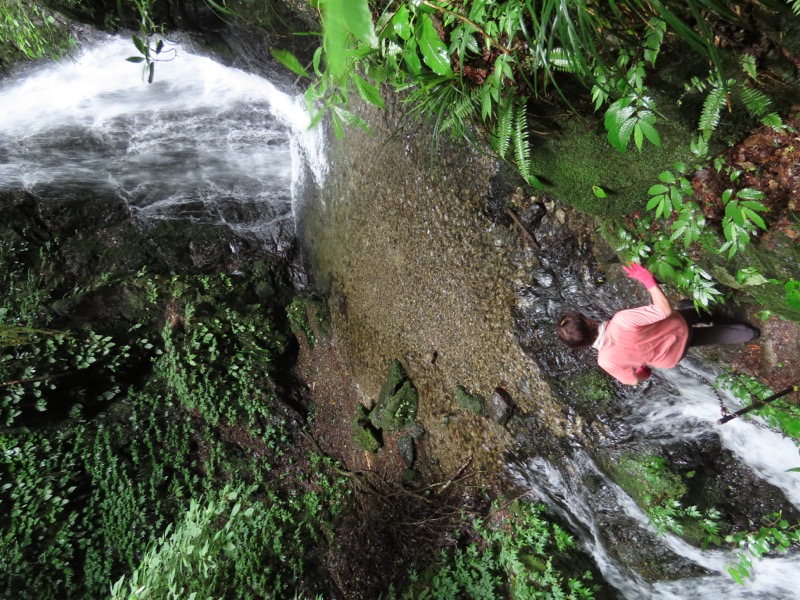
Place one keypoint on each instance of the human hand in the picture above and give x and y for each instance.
(640, 274)
(643, 372)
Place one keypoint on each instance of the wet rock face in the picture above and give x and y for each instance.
(722, 482)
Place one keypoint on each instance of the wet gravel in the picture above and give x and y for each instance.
(414, 269)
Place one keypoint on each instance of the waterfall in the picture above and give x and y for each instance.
(678, 406)
(203, 142)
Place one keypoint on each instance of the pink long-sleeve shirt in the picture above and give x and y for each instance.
(642, 336)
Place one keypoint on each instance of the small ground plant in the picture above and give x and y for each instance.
(521, 554)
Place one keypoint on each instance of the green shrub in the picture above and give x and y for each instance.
(219, 365)
(520, 555)
(234, 544)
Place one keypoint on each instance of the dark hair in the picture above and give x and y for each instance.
(576, 330)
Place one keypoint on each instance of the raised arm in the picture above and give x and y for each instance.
(643, 276)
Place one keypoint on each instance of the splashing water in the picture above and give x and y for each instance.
(680, 406)
(200, 143)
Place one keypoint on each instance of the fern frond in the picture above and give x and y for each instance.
(748, 63)
(502, 131)
(461, 113)
(756, 101)
(774, 121)
(709, 118)
(561, 60)
(522, 149)
(795, 5)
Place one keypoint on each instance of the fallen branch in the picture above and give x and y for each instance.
(525, 233)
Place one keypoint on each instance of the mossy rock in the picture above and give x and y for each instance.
(308, 319)
(364, 434)
(397, 401)
(473, 403)
(647, 477)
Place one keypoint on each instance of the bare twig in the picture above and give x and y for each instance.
(525, 233)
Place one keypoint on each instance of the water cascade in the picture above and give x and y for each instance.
(203, 142)
(680, 406)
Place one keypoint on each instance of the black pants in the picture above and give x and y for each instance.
(734, 333)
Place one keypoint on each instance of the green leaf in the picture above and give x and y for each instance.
(755, 218)
(289, 60)
(599, 192)
(638, 136)
(650, 133)
(726, 196)
(434, 52)
(368, 92)
(750, 194)
(658, 189)
(135, 59)
(666, 177)
(655, 201)
(358, 18)
(141, 45)
(401, 23)
(411, 58)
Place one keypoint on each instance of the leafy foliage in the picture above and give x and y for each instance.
(232, 544)
(220, 366)
(784, 416)
(486, 59)
(775, 535)
(514, 558)
(33, 30)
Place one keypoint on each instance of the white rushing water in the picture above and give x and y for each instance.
(200, 140)
(679, 406)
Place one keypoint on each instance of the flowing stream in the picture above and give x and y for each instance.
(430, 279)
(680, 406)
(203, 142)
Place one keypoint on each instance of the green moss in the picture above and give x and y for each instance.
(592, 391)
(364, 435)
(647, 478)
(473, 403)
(579, 157)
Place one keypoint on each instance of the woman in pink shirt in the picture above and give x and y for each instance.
(635, 340)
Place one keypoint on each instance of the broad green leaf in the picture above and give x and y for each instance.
(368, 92)
(434, 52)
(289, 60)
(411, 58)
(401, 23)
(755, 218)
(650, 133)
(358, 18)
(654, 201)
(676, 197)
(658, 189)
(753, 205)
(750, 194)
(726, 196)
(599, 192)
(666, 177)
(624, 135)
(638, 137)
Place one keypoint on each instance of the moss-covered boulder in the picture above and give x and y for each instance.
(364, 434)
(397, 400)
(473, 403)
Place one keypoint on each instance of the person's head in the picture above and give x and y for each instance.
(576, 330)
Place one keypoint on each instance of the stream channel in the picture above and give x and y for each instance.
(401, 240)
